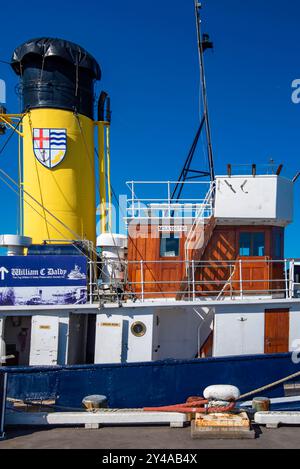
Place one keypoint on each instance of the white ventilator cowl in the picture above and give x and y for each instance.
(222, 392)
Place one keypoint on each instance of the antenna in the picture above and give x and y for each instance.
(204, 44)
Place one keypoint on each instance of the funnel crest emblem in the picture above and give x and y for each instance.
(50, 146)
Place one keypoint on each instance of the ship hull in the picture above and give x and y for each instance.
(138, 385)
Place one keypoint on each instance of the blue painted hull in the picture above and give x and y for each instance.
(148, 384)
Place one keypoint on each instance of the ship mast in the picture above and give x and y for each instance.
(203, 44)
(187, 173)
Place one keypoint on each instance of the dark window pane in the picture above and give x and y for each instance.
(245, 244)
(258, 244)
(252, 244)
(169, 246)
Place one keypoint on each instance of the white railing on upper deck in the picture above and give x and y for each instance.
(163, 205)
(216, 280)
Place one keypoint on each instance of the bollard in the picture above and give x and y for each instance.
(261, 404)
(94, 402)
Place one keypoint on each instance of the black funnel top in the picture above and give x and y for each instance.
(56, 74)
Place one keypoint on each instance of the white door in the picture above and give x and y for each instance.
(109, 338)
(44, 340)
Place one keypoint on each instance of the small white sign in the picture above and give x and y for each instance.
(172, 229)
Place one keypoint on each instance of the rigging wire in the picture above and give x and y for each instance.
(11, 134)
(92, 250)
(41, 215)
(15, 183)
(87, 256)
(183, 176)
(21, 189)
(42, 206)
(4, 176)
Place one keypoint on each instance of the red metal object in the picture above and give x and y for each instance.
(192, 405)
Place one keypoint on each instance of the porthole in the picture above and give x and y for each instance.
(138, 329)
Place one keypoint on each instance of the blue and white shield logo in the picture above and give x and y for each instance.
(50, 146)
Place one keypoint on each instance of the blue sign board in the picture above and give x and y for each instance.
(34, 280)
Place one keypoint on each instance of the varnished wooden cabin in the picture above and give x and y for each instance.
(241, 250)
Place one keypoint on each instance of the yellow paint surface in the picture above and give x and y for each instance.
(68, 190)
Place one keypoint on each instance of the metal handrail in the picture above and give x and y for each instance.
(140, 205)
(239, 285)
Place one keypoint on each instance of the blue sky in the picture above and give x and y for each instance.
(147, 52)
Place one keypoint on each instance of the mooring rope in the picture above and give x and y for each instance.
(269, 386)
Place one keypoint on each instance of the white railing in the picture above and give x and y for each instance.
(226, 279)
(164, 205)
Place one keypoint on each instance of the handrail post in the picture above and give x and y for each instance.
(142, 279)
(132, 198)
(91, 281)
(286, 279)
(292, 277)
(169, 199)
(193, 280)
(231, 275)
(241, 278)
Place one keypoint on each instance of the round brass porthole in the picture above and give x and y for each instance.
(138, 329)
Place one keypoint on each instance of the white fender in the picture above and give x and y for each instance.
(223, 392)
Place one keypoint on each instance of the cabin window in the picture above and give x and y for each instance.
(169, 245)
(252, 244)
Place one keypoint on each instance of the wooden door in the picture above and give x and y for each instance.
(277, 328)
(255, 275)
